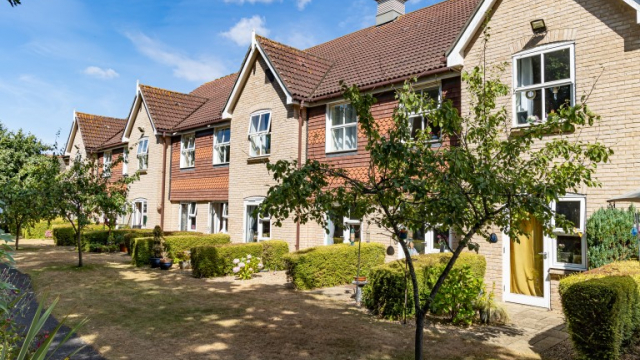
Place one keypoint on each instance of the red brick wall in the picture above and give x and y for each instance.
(205, 182)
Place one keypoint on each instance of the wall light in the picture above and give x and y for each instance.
(538, 26)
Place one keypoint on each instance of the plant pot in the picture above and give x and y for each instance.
(166, 265)
(403, 235)
(155, 262)
(123, 248)
(360, 278)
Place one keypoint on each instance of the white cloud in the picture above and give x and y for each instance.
(302, 3)
(184, 67)
(101, 73)
(240, 33)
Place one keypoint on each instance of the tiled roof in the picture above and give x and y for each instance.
(299, 70)
(217, 92)
(114, 141)
(411, 45)
(169, 108)
(97, 130)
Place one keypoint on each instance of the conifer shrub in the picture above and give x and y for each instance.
(609, 236)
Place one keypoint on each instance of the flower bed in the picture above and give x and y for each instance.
(175, 244)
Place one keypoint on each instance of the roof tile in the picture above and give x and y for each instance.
(169, 108)
(96, 130)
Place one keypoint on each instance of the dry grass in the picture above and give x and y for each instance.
(147, 314)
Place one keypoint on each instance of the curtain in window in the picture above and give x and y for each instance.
(525, 75)
(527, 275)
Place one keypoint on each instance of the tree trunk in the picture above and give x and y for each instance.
(416, 303)
(79, 237)
(17, 235)
(419, 333)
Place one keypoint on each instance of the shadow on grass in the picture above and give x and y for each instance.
(149, 314)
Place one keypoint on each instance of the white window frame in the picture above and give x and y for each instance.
(143, 154)
(261, 135)
(261, 220)
(330, 127)
(219, 217)
(192, 214)
(541, 51)
(580, 228)
(125, 161)
(106, 165)
(429, 241)
(218, 147)
(187, 149)
(425, 114)
(347, 222)
(144, 211)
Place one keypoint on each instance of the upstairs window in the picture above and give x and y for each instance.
(544, 81)
(260, 134)
(342, 132)
(143, 154)
(188, 151)
(222, 146)
(420, 122)
(106, 163)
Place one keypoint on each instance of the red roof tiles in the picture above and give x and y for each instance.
(97, 130)
(169, 108)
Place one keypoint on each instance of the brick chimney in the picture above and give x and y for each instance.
(389, 10)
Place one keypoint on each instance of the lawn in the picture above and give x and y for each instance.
(147, 314)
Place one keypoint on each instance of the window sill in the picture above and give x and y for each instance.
(191, 168)
(142, 171)
(341, 153)
(518, 130)
(558, 272)
(225, 165)
(258, 159)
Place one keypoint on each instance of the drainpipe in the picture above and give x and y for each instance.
(164, 177)
(300, 121)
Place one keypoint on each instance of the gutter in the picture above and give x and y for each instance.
(164, 177)
(300, 122)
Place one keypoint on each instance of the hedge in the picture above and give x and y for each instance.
(39, 229)
(326, 266)
(602, 309)
(66, 236)
(609, 237)
(141, 251)
(273, 253)
(384, 295)
(214, 261)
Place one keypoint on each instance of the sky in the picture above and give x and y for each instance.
(57, 56)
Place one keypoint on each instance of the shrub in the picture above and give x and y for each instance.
(64, 236)
(212, 261)
(245, 267)
(325, 266)
(273, 253)
(175, 244)
(609, 236)
(457, 296)
(602, 309)
(384, 295)
(39, 230)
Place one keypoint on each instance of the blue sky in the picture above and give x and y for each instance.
(57, 56)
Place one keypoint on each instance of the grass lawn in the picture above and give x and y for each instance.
(148, 314)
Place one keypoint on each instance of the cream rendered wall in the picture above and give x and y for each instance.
(77, 147)
(249, 178)
(607, 48)
(149, 186)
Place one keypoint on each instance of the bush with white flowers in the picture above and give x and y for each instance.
(245, 267)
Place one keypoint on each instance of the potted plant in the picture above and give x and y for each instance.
(166, 262)
(184, 259)
(122, 244)
(158, 247)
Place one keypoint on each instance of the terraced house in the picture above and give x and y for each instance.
(202, 155)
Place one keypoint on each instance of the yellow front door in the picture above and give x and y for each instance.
(527, 261)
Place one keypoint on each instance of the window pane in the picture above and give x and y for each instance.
(557, 96)
(569, 250)
(557, 65)
(417, 124)
(351, 137)
(337, 115)
(265, 122)
(350, 114)
(223, 136)
(266, 144)
(226, 154)
(432, 94)
(266, 229)
(255, 145)
(337, 137)
(529, 71)
(255, 124)
(418, 234)
(528, 106)
(571, 211)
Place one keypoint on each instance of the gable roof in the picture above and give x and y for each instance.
(455, 55)
(413, 45)
(216, 92)
(168, 108)
(96, 130)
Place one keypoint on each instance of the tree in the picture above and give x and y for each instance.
(85, 191)
(14, 2)
(26, 175)
(490, 179)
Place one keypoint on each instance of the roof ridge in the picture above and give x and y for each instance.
(172, 91)
(99, 116)
(212, 81)
(294, 48)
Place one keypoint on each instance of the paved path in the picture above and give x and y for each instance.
(23, 282)
(531, 332)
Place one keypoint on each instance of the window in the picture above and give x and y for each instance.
(219, 218)
(188, 216)
(188, 151)
(143, 154)
(428, 241)
(570, 248)
(544, 81)
(222, 146)
(125, 161)
(260, 134)
(257, 226)
(420, 122)
(106, 163)
(342, 132)
(343, 230)
(140, 217)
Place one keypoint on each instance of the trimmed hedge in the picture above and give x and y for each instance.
(213, 261)
(273, 253)
(66, 236)
(326, 266)
(384, 295)
(141, 251)
(38, 230)
(602, 309)
(609, 236)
